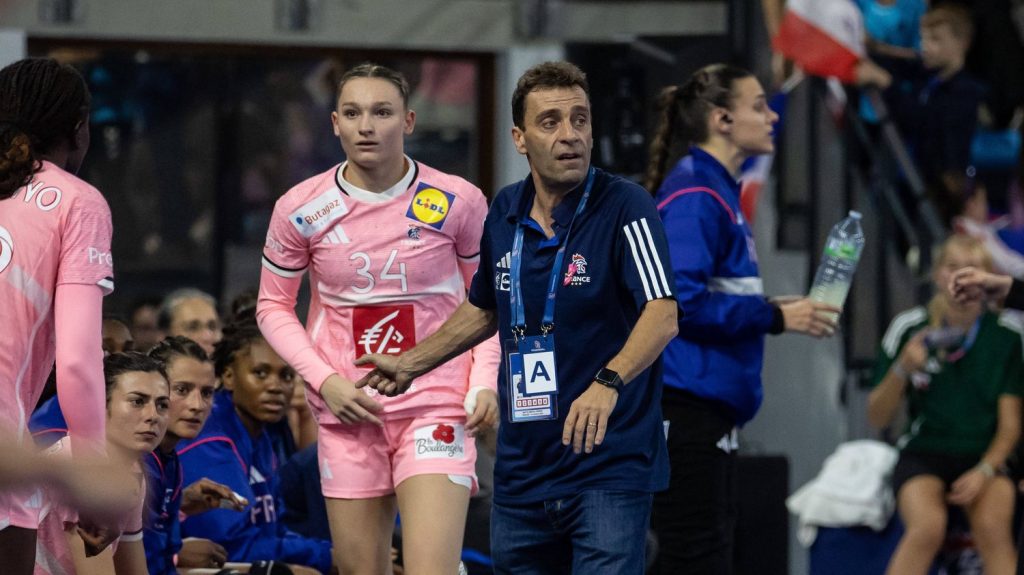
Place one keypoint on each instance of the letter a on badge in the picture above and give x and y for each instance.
(541, 367)
(539, 371)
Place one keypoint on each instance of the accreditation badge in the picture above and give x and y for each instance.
(532, 380)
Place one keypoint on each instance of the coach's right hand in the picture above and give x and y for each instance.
(390, 377)
(349, 403)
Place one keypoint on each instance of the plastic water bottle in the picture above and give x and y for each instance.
(838, 263)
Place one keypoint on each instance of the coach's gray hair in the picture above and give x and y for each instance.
(175, 298)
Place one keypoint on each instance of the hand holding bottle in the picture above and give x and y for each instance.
(809, 317)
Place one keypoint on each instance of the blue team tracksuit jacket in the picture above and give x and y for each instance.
(226, 453)
(720, 347)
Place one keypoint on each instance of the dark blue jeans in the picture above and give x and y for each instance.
(590, 533)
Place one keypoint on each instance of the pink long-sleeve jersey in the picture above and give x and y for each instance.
(54, 231)
(386, 270)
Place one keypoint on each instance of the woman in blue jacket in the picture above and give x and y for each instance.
(234, 449)
(719, 118)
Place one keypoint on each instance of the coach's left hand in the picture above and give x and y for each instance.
(587, 421)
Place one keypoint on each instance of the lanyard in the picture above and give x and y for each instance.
(516, 293)
(966, 345)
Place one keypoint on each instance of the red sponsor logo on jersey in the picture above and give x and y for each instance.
(445, 433)
(383, 329)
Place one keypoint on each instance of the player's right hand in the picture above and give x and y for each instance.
(348, 403)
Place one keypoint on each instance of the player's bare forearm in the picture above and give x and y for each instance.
(656, 327)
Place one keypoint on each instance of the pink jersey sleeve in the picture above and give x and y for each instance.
(85, 243)
(486, 361)
(471, 228)
(131, 523)
(275, 313)
(286, 251)
(78, 314)
(486, 355)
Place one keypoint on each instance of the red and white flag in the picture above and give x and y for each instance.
(755, 174)
(823, 37)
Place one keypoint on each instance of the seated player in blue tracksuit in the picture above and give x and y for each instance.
(235, 450)
(192, 386)
(47, 423)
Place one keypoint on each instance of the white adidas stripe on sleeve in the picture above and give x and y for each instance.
(656, 256)
(646, 259)
(636, 260)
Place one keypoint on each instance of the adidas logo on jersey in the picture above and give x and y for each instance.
(336, 236)
(502, 281)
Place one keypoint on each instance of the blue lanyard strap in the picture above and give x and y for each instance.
(516, 293)
(968, 343)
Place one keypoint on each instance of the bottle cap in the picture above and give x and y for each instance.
(855, 214)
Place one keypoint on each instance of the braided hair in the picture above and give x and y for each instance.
(42, 103)
(684, 112)
(239, 334)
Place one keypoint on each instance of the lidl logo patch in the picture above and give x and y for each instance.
(430, 206)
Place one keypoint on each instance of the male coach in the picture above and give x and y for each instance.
(575, 276)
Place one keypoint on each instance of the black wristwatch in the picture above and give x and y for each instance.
(609, 378)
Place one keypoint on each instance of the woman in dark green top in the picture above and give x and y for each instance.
(964, 402)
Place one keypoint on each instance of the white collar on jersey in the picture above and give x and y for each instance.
(376, 197)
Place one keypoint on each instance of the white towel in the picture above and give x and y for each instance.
(851, 489)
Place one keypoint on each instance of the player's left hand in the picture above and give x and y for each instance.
(587, 421)
(482, 410)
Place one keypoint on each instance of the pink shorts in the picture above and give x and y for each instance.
(22, 507)
(364, 461)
